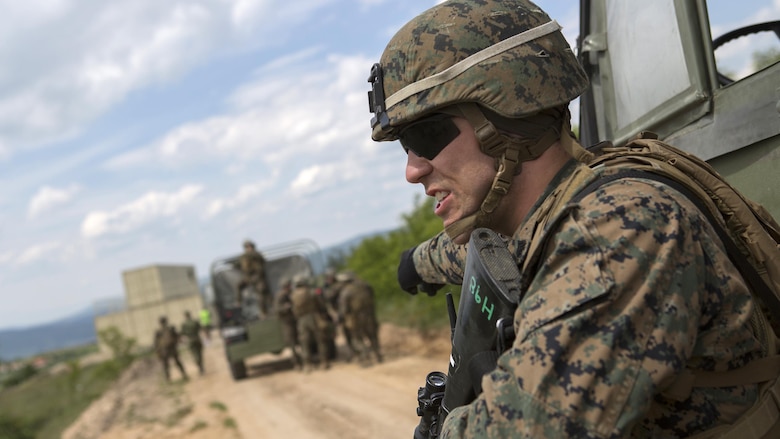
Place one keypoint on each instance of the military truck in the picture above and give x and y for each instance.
(243, 331)
(655, 66)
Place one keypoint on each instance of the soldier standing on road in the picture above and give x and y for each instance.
(357, 313)
(283, 309)
(252, 264)
(633, 294)
(205, 322)
(308, 309)
(166, 345)
(191, 329)
(330, 293)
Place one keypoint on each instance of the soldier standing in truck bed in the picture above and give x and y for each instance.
(252, 264)
(308, 309)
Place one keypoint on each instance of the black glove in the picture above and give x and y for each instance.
(409, 279)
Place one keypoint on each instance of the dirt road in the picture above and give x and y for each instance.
(275, 401)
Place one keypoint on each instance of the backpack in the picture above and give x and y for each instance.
(751, 237)
(167, 339)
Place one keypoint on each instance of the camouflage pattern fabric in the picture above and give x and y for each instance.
(283, 309)
(633, 288)
(358, 313)
(165, 345)
(544, 70)
(252, 265)
(191, 329)
(308, 308)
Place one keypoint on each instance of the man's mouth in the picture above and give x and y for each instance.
(440, 196)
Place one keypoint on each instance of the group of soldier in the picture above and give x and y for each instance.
(167, 340)
(311, 317)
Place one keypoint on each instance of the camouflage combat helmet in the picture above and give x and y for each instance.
(501, 64)
(345, 276)
(300, 280)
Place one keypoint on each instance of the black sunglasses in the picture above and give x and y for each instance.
(428, 137)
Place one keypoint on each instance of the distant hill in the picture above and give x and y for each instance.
(75, 330)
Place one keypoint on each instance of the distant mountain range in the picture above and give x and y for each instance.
(75, 330)
(79, 329)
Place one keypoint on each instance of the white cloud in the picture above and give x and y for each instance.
(48, 198)
(146, 209)
(75, 60)
(317, 178)
(36, 253)
(304, 109)
(244, 195)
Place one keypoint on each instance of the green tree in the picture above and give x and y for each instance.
(121, 348)
(19, 376)
(13, 427)
(765, 58)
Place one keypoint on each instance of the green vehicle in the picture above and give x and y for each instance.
(243, 331)
(657, 66)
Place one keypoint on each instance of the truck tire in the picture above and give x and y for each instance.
(238, 370)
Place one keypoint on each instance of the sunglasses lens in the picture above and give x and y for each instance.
(428, 137)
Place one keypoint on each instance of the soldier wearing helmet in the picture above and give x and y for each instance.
(252, 265)
(283, 310)
(166, 346)
(308, 308)
(632, 292)
(357, 314)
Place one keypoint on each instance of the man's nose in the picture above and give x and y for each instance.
(416, 167)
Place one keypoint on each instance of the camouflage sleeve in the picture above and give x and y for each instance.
(439, 260)
(610, 318)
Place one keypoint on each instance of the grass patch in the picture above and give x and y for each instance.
(178, 415)
(45, 405)
(199, 425)
(229, 423)
(216, 405)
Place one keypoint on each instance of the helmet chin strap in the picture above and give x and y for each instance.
(509, 152)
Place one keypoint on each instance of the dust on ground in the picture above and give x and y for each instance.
(349, 400)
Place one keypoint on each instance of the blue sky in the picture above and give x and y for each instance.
(141, 132)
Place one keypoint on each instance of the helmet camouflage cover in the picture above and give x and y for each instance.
(506, 55)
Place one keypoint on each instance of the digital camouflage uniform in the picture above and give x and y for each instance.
(330, 293)
(634, 288)
(358, 316)
(191, 329)
(308, 307)
(166, 342)
(283, 309)
(252, 264)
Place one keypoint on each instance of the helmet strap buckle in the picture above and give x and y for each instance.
(376, 98)
(490, 140)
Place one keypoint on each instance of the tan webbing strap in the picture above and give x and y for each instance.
(573, 147)
(762, 421)
(509, 152)
(757, 371)
(551, 208)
